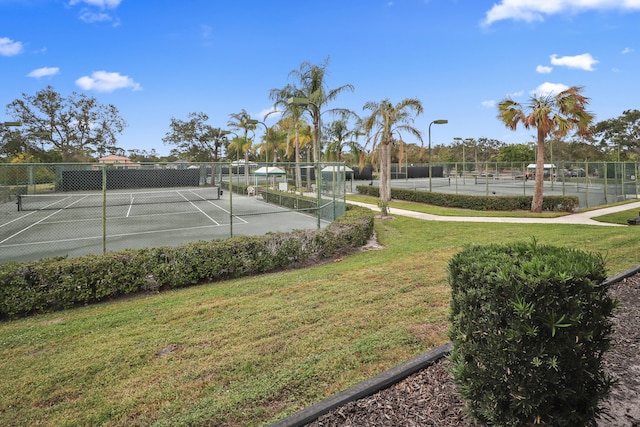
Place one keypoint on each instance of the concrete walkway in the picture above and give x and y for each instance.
(577, 218)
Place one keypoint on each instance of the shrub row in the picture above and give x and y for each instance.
(289, 200)
(481, 203)
(59, 283)
(237, 188)
(529, 325)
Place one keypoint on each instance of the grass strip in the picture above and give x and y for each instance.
(249, 351)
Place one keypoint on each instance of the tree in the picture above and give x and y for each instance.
(76, 125)
(340, 136)
(143, 156)
(311, 79)
(12, 143)
(241, 121)
(551, 115)
(200, 141)
(386, 120)
(516, 153)
(291, 120)
(274, 139)
(619, 135)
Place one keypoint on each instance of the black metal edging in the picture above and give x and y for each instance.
(390, 377)
(621, 276)
(365, 388)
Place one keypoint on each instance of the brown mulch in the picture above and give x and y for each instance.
(429, 398)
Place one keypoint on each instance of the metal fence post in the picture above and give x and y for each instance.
(104, 209)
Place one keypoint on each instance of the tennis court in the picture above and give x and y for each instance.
(590, 192)
(73, 224)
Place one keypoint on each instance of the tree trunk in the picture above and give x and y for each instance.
(246, 168)
(385, 179)
(296, 151)
(536, 203)
(308, 168)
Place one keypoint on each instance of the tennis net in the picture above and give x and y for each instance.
(54, 201)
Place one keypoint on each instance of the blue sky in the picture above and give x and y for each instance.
(159, 59)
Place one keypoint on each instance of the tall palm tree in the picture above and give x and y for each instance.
(340, 135)
(312, 85)
(271, 140)
(291, 121)
(240, 121)
(386, 120)
(550, 114)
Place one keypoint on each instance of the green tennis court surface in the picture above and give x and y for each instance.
(72, 224)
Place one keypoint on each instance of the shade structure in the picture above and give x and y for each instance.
(327, 170)
(337, 169)
(269, 171)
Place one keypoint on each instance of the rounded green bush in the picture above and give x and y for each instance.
(529, 325)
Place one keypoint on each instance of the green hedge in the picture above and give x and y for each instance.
(290, 200)
(59, 283)
(529, 325)
(237, 188)
(481, 203)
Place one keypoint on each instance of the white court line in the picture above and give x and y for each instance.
(78, 239)
(17, 219)
(178, 192)
(194, 205)
(240, 219)
(226, 211)
(112, 218)
(32, 225)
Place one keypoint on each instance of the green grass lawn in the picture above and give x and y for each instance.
(619, 217)
(443, 211)
(253, 350)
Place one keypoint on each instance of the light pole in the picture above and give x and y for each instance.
(307, 102)
(7, 124)
(266, 136)
(460, 141)
(438, 122)
(227, 132)
(266, 145)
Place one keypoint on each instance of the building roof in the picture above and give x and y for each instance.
(112, 158)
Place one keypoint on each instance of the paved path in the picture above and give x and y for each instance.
(577, 218)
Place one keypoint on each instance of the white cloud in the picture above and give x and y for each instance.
(91, 17)
(543, 69)
(103, 81)
(9, 47)
(44, 72)
(102, 4)
(546, 89)
(489, 104)
(515, 94)
(582, 62)
(626, 50)
(536, 10)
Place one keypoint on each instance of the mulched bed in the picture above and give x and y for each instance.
(429, 397)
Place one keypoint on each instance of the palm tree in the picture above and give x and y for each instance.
(240, 121)
(291, 121)
(340, 136)
(549, 114)
(386, 120)
(311, 79)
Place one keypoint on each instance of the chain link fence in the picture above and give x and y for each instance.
(594, 183)
(69, 209)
